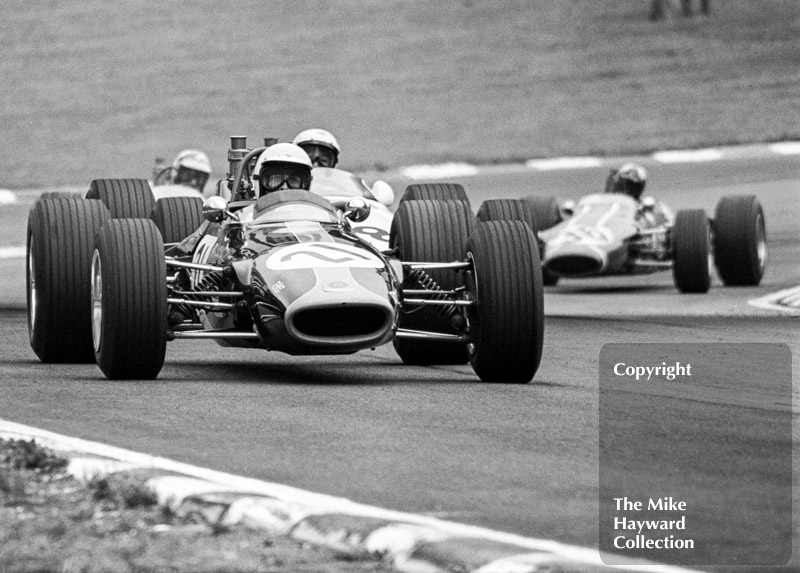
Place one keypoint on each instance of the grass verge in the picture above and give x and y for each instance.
(49, 522)
(93, 89)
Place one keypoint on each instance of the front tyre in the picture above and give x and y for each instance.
(507, 323)
(740, 240)
(691, 238)
(60, 241)
(129, 299)
(430, 231)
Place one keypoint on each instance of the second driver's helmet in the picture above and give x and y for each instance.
(321, 146)
(282, 166)
(191, 168)
(629, 179)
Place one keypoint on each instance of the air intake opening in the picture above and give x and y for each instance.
(573, 266)
(340, 321)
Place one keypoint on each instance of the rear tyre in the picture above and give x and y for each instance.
(546, 211)
(129, 299)
(740, 240)
(60, 240)
(58, 195)
(436, 192)
(508, 210)
(125, 198)
(691, 237)
(516, 210)
(177, 217)
(431, 231)
(507, 325)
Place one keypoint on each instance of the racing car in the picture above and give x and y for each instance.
(186, 176)
(109, 281)
(614, 234)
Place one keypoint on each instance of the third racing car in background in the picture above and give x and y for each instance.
(617, 233)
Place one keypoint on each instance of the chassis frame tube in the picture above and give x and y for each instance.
(422, 335)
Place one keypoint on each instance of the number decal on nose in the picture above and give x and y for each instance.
(310, 255)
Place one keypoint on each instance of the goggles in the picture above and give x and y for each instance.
(294, 178)
(191, 177)
(320, 155)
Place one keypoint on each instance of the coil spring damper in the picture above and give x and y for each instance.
(418, 278)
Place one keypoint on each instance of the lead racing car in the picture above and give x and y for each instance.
(286, 271)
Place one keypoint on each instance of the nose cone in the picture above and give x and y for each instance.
(575, 260)
(339, 316)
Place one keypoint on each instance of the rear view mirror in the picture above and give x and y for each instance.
(215, 209)
(357, 210)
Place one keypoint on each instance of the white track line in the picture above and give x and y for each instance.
(440, 171)
(787, 300)
(688, 156)
(12, 252)
(7, 197)
(564, 163)
(785, 148)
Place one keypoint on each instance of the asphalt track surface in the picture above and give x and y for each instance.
(436, 441)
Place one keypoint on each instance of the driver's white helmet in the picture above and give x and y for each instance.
(629, 179)
(321, 146)
(282, 166)
(192, 168)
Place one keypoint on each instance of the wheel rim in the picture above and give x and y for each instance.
(761, 242)
(97, 300)
(33, 303)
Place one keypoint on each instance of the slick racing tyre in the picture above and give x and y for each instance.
(508, 210)
(58, 195)
(177, 217)
(431, 231)
(545, 211)
(129, 299)
(60, 240)
(125, 198)
(740, 240)
(516, 210)
(547, 214)
(691, 238)
(507, 322)
(436, 192)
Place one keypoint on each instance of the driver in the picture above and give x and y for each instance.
(629, 179)
(191, 168)
(321, 146)
(282, 166)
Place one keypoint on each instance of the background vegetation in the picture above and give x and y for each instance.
(93, 89)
